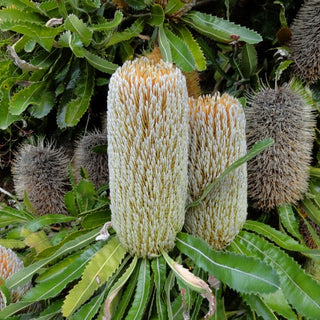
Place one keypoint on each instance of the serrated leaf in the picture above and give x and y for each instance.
(282, 67)
(71, 113)
(302, 292)
(13, 308)
(173, 6)
(256, 149)
(157, 15)
(103, 264)
(22, 277)
(53, 309)
(100, 63)
(193, 46)
(44, 105)
(18, 15)
(219, 29)
(12, 244)
(136, 4)
(241, 273)
(74, 24)
(164, 45)
(44, 60)
(181, 55)
(249, 60)
(141, 297)
(26, 5)
(311, 209)
(108, 25)
(117, 287)
(38, 240)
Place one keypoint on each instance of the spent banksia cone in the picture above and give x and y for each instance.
(305, 41)
(148, 154)
(41, 171)
(279, 174)
(10, 264)
(217, 139)
(95, 163)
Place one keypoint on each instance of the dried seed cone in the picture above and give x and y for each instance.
(95, 163)
(148, 154)
(10, 264)
(305, 42)
(217, 139)
(42, 172)
(279, 174)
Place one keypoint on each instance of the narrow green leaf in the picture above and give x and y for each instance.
(289, 220)
(100, 63)
(302, 292)
(173, 6)
(241, 273)
(283, 65)
(256, 149)
(193, 46)
(108, 25)
(74, 24)
(141, 297)
(181, 55)
(312, 210)
(12, 244)
(249, 60)
(97, 272)
(13, 308)
(164, 45)
(22, 277)
(136, 4)
(314, 172)
(219, 29)
(18, 15)
(49, 313)
(117, 287)
(44, 104)
(157, 15)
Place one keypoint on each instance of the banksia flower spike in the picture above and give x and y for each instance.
(10, 264)
(41, 171)
(148, 155)
(217, 139)
(305, 41)
(95, 163)
(279, 174)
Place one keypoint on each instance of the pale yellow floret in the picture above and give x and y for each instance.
(148, 154)
(217, 139)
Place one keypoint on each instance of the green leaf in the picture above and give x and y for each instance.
(141, 297)
(173, 6)
(302, 292)
(193, 46)
(249, 60)
(241, 273)
(256, 149)
(12, 244)
(219, 29)
(181, 55)
(108, 25)
(23, 276)
(284, 65)
(103, 264)
(53, 309)
(13, 308)
(157, 15)
(18, 15)
(312, 209)
(71, 113)
(74, 24)
(164, 45)
(100, 63)
(289, 220)
(136, 4)
(117, 287)
(72, 40)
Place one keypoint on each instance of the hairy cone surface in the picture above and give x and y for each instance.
(217, 139)
(279, 174)
(148, 154)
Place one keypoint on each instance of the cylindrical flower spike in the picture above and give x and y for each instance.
(305, 41)
(95, 163)
(41, 171)
(279, 174)
(217, 139)
(10, 264)
(148, 154)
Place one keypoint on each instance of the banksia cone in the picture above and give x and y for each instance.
(305, 42)
(279, 174)
(217, 139)
(148, 154)
(10, 264)
(95, 163)
(42, 172)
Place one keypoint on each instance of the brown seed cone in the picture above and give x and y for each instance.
(95, 163)
(279, 174)
(305, 42)
(42, 172)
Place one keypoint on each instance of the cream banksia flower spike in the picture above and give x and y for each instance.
(41, 171)
(217, 139)
(148, 155)
(279, 174)
(10, 264)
